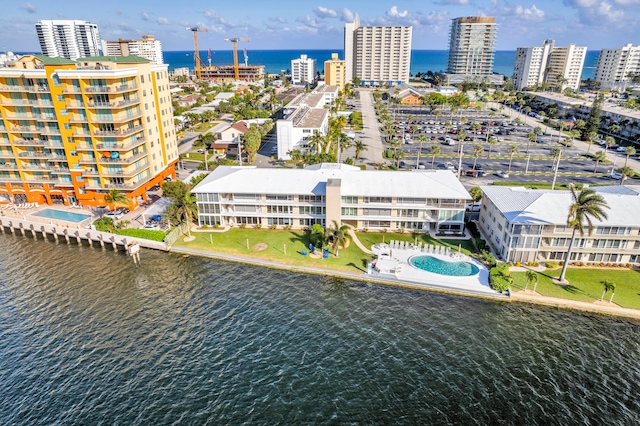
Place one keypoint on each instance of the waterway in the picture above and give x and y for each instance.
(88, 338)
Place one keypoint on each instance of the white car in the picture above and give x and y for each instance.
(621, 149)
(114, 215)
(151, 226)
(449, 141)
(503, 175)
(615, 175)
(449, 166)
(500, 139)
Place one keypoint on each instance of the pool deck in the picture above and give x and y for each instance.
(393, 263)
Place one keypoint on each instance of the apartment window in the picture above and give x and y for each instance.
(349, 211)
(279, 197)
(371, 200)
(142, 78)
(349, 200)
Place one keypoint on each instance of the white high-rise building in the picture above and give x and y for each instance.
(558, 66)
(303, 69)
(68, 39)
(615, 65)
(148, 48)
(531, 63)
(565, 66)
(377, 54)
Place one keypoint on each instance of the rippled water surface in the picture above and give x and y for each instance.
(87, 338)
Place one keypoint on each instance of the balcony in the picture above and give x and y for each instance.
(101, 104)
(5, 154)
(117, 118)
(35, 142)
(121, 146)
(107, 89)
(81, 133)
(74, 105)
(9, 166)
(126, 173)
(78, 119)
(5, 142)
(90, 173)
(41, 155)
(121, 160)
(71, 90)
(87, 160)
(124, 186)
(29, 89)
(119, 133)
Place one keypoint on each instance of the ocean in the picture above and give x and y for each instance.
(276, 61)
(88, 338)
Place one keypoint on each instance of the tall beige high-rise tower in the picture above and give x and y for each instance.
(335, 71)
(377, 55)
(472, 42)
(148, 48)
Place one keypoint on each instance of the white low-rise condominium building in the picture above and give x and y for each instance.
(615, 66)
(303, 70)
(148, 48)
(526, 225)
(68, 39)
(420, 200)
(302, 117)
(377, 55)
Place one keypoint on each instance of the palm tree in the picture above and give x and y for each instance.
(434, 150)
(360, 147)
(599, 156)
(609, 140)
(491, 141)
(338, 236)
(115, 197)
(608, 286)
(532, 278)
(513, 148)
(555, 153)
(628, 151)
(586, 206)
(186, 207)
(315, 141)
(625, 172)
(477, 150)
(399, 155)
(531, 137)
(527, 110)
(421, 138)
(462, 135)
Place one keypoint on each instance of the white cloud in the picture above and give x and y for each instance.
(324, 12)
(309, 22)
(29, 8)
(145, 17)
(531, 14)
(163, 21)
(594, 12)
(394, 13)
(278, 19)
(454, 2)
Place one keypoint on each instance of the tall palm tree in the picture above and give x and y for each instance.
(115, 197)
(608, 286)
(360, 147)
(477, 150)
(399, 155)
(625, 172)
(513, 148)
(531, 137)
(555, 153)
(599, 157)
(315, 141)
(422, 138)
(628, 152)
(491, 141)
(434, 150)
(186, 206)
(586, 206)
(532, 278)
(338, 236)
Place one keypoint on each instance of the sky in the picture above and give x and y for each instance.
(308, 24)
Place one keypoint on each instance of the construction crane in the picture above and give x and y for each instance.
(236, 68)
(196, 54)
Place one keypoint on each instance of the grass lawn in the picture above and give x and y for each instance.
(203, 127)
(196, 156)
(370, 238)
(234, 242)
(585, 285)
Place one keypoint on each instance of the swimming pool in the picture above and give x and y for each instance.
(62, 215)
(444, 267)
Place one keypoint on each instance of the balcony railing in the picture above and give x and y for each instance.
(121, 160)
(121, 146)
(117, 119)
(125, 132)
(41, 155)
(36, 142)
(24, 88)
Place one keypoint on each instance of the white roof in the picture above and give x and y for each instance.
(353, 181)
(535, 206)
(223, 96)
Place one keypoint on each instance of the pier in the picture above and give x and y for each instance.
(69, 234)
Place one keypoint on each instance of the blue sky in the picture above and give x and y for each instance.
(304, 24)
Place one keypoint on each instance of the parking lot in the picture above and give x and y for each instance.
(533, 161)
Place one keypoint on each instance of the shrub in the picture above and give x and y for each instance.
(216, 225)
(500, 277)
(272, 226)
(287, 227)
(243, 225)
(257, 226)
(518, 263)
(488, 257)
(384, 230)
(365, 230)
(601, 265)
(400, 230)
(551, 264)
(147, 234)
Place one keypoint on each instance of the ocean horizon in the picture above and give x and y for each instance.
(279, 60)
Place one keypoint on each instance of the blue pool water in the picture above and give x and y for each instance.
(62, 215)
(437, 266)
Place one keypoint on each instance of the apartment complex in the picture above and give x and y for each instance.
(148, 48)
(68, 39)
(615, 66)
(335, 72)
(73, 130)
(559, 66)
(377, 55)
(472, 42)
(420, 200)
(303, 70)
(527, 225)
(305, 115)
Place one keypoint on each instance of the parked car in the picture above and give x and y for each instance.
(274, 150)
(403, 164)
(473, 207)
(449, 141)
(615, 175)
(477, 167)
(621, 149)
(156, 218)
(449, 165)
(503, 175)
(155, 188)
(114, 215)
(122, 210)
(475, 173)
(421, 166)
(151, 226)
